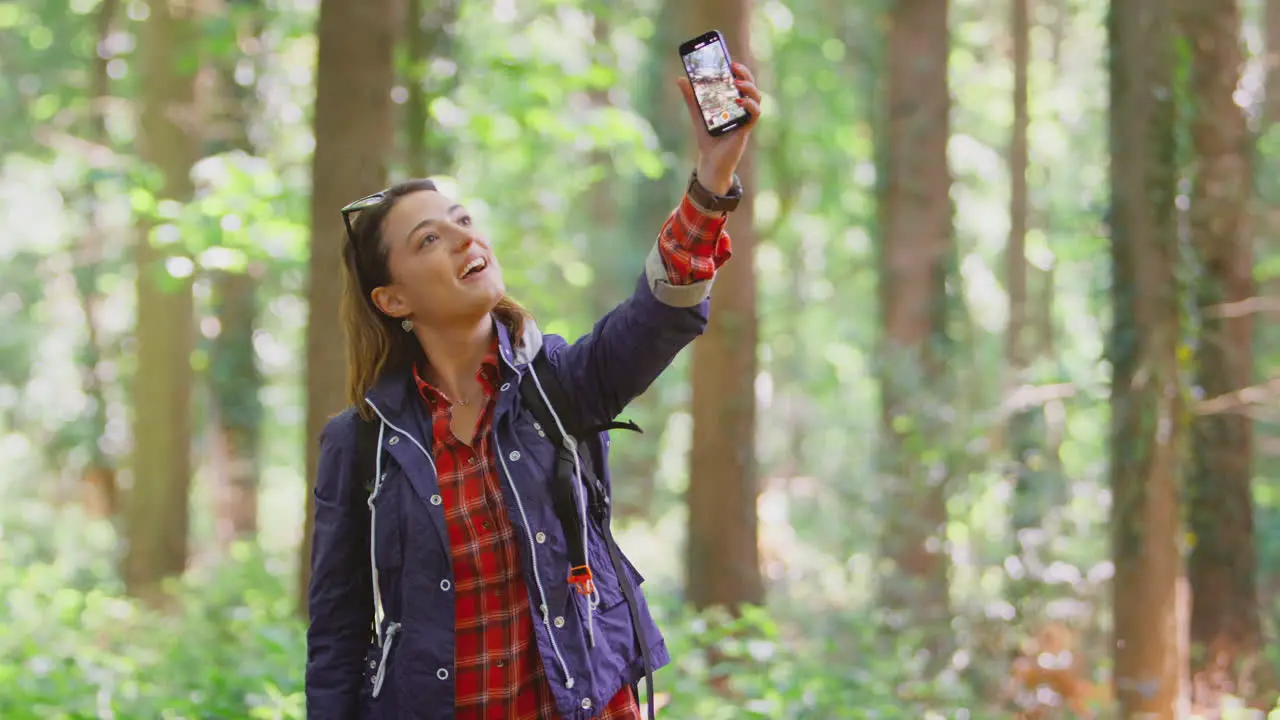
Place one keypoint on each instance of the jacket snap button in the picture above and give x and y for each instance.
(586, 703)
(443, 674)
(559, 621)
(540, 537)
(444, 585)
(436, 500)
(537, 426)
(514, 456)
(373, 664)
(394, 439)
(505, 387)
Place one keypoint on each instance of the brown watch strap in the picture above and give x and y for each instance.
(710, 201)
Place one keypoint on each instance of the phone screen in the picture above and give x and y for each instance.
(712, 79)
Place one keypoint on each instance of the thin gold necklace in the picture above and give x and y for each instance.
(466, 401)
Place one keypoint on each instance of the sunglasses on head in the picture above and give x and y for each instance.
(363, 203)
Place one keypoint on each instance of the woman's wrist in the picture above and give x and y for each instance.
(716, 180)
(715, 198)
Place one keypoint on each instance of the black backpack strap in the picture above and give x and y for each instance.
(633, 607)
(562, 490)
(365, 473)
(366, 456)
(598, 503)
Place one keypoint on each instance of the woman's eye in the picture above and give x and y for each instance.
(465, 221)
(429, 238)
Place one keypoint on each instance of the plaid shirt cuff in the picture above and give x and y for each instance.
(693, 244)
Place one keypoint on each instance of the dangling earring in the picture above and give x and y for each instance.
(407, 324)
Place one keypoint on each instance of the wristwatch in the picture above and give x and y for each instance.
(711, 202)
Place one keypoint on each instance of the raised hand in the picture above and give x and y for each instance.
(718, 156)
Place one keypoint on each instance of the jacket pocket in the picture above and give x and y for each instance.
(608, 583)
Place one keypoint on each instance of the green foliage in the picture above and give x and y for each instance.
(231, 647)
(77, 649)
(786, 670)
(540, 118)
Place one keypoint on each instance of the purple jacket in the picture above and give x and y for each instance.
(408, 675)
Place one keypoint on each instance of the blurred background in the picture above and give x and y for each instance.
(985, 424)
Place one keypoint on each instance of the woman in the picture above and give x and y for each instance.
(443, 588)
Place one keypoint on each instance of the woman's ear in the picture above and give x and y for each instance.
(389, 302)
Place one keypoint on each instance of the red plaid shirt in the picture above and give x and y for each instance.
(498, 673)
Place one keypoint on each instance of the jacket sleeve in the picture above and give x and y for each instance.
(633, 343)
(340, 598)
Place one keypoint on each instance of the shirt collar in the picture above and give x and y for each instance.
(487, 375)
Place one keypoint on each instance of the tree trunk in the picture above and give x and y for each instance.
(168, 138)
(354, 131)
(723, 555)
(650, 203)
(1271, 23)
(430, 36)
(915, 252)
(1267, 339)
(1146, 396)
(1025, 426)
(599, 204)
(1016, 250)
(98, 490)
(235, 380)
(1225, 623)
(236, 384)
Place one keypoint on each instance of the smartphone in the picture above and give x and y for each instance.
(706, 62)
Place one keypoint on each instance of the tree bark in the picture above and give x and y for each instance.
(1226, 626)
(599, 204)
(235, 380)
(99, 493)
(650, 202)
(354, 130)
(915, 253)
(1016, 250)
(157, 516)
(723, 555)
(1271, 28)
(430, 36)
(1025, 426)
(1147, 426)
(236, 384)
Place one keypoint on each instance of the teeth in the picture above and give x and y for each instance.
(475, 264)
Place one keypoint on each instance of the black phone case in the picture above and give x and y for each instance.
(688, 47)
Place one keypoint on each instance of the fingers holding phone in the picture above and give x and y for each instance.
(723, 103)
(750, 100)
(721, 94)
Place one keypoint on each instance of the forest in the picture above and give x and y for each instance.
(984, 424)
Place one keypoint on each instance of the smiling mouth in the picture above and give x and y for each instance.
(473, 268)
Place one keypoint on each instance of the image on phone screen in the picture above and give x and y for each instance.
(712, 80)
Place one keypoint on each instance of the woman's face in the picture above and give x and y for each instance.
(442, 271)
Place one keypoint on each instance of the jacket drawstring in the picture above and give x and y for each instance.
(378, 476)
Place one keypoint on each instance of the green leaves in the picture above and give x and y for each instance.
(230, 650)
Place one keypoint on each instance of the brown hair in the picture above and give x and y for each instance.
(375, 341)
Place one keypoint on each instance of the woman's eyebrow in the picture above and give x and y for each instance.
(408, 237)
